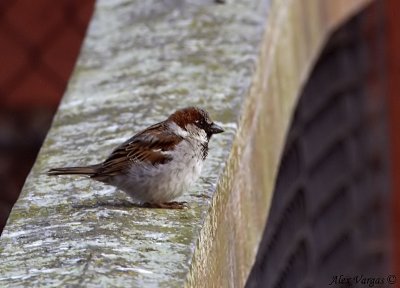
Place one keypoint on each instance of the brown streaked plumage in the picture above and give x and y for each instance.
(139, 148)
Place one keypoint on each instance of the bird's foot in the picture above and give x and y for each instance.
(168, 205)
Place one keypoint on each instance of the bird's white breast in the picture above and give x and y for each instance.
(164, 182)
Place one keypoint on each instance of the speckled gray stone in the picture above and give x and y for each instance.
(140, 61)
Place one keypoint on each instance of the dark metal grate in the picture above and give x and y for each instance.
(329, 214)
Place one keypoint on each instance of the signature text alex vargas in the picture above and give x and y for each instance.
(362, 280)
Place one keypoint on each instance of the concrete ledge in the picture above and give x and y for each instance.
(245, 62)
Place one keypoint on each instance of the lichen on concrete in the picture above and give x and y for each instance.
(244, 62)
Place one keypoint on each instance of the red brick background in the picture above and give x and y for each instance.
(393, 72)
(39, 44)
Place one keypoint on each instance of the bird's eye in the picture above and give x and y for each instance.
(197, 121)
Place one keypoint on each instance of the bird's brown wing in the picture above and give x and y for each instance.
(146, 147)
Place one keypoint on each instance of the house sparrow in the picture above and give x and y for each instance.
(159, 163)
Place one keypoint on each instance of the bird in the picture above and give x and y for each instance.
(159, 163)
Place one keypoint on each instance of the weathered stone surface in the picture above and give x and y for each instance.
(140, 61)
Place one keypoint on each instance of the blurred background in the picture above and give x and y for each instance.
(336, 206)
(39, 44)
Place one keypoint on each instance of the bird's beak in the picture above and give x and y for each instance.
(215, 129)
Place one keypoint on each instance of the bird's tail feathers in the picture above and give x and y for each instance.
(84, 170)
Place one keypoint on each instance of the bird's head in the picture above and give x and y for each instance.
(195, 121)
